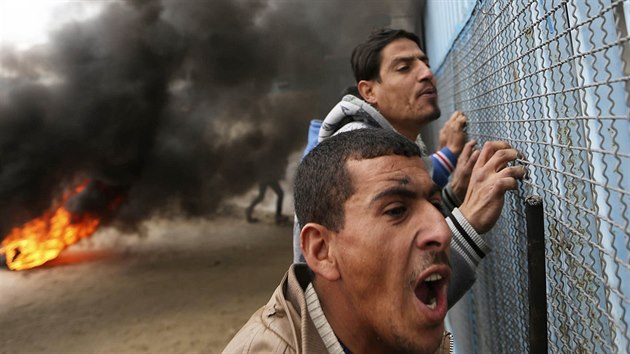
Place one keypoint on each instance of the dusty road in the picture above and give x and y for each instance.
(184, 287)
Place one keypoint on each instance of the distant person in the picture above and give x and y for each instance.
(262, 190)
(376, 247)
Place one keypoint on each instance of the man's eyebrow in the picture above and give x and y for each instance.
(399, 190)
(408, 58)
(395, 191)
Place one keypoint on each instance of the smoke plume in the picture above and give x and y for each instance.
(177, 104)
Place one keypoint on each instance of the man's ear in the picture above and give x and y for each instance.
(315, 241)
(366, 89)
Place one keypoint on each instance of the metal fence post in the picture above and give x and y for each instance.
(536, 275)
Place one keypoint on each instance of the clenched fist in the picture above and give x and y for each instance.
(452, 134)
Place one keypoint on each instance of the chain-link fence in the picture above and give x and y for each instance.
(552, 78)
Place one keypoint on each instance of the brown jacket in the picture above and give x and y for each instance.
(283, 325)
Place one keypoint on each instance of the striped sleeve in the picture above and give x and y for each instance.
(466, 241)
(467, 250)
(444, 162)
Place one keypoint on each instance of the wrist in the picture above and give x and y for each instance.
(455, 149)
(472, 219)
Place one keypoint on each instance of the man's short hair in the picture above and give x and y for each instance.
(366, 57)
(323, 183)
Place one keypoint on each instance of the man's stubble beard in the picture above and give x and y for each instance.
(404, 346)
(436, 114)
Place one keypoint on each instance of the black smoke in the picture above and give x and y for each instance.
(178, 104)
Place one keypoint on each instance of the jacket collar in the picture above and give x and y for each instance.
(290, 295)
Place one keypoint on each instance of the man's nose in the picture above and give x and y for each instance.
(424, 72)
(436, 235)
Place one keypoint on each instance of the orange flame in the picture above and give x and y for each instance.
(42, 239)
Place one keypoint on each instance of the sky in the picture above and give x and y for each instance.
(26, 23)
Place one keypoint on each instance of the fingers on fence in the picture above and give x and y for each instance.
(489, 150)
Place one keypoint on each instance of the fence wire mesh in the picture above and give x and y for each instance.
(552, 78)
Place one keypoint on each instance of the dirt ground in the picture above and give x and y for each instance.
(184, 287)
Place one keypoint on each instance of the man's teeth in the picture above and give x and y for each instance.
(433, 277)
(432, 304)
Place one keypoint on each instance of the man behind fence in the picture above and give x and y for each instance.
(376, 247)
